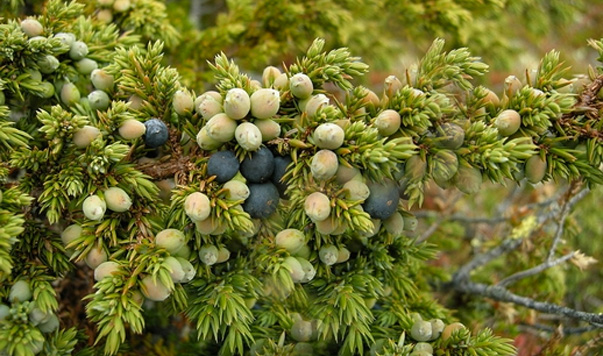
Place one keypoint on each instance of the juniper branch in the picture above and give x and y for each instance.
(535, 270)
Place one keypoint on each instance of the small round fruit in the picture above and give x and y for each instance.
(78, 50)
(175, 267)
(445, 166)
(208, 104)
(48, 64)
(392, 85)
(281, 82)
(236, 190)
(265, 103)
(301, 330)
(170, 239)
(96, 256)
(205, 142)
(132, 129)
(156, 133)
(207, 226)
(328, 136)
(197, 206)
(99, 100)
(356, 190)
(154, 290)
(101, 79)
(388, 122)
(117, 199)
(328, 254)
(324, 165)
(295, 269)
(468, 179)
(46, 90)
(209, 254)
(224, 165)
(535, 169)
(383, 200)
(70, 94)
(270, 129)
(301, 86)
(327, 226)
(37, 316)
(236, 103)
(437, 327)
(343, 255)
(309, 270)
(121, 5)
(223, 255)
(263, 200)
(345, 174)
(394, 224)
(4, 311)
(105, 16)
(105, 269)
(94, 207)
(415, 168)
(71, 233)
(508, 122)
(20, 292)
(84, 136)
(32, 27)
(512, 85)
(259, 166)
(248, 136)
(423, 347)
(450, 329)
(269, 75)
(421, 330)
(450, 136)
(280, 168)
(410, 223)
(182, 102)
(66, 38)
(291, 240)
(86, 66)
(49, 325)
(189, 270)
(314, 103)
(317, 206)
(135, 102)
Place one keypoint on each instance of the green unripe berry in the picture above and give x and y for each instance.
(189, 270)
(445, 166)
(324, 165)
(291, 240)
(101, 79)
(356, 190)
(94, 207)
(309, 270)
(421, 330)
(221, 127)
(208, 104)
(46, 90)
(95, 257)
(78, 50)
(4, 311)
(66, 38)
(415, 168)
(135, 102)
(32, 27)
(70, 94)
(392, 85)
(301, 86)
(343, 255)
(209, 254)
(223, 255)
(491, 98)
(450, 329)
(117, 199)
(512, 85)
(265, 103)
(99, 100)
(327, 226)
(236, 190)
(345, 174)
(20, 292)
(170, 239)
(295, 269)
(105, 16)
(132, 129)
(508, 122)
(269, 75)
(270, 129)
(86, 66)
(317, 206)
(184, 252)
(182, 102)
(388, 122)
(49, 325)
(237, 103)
(105, 269)
(424, 347)
(437, 326)
(328, 136)
(197, 206)
(303, 252)
(154, 290)
(84, 136)
(248, 136)
(71, 233)
(314, 103)
(301, 330)
(48, 64)
(206, 142)
(450, 136)
(535, 169)
(394, 224)
(281, 82)
(175, 267)
(207, 226)
(468, 179)
(121, 5)
(328, 254)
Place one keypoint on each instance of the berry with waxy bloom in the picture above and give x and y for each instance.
(265, 103)
(132, 129)
(94, 207)
(236, 103)
(117, 199)
(301, 86)
(170, 239)
(197, 206)
(328, 136)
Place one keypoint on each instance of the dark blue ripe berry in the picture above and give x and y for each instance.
(259, 167)
(383, 200)
(280, 168)
(224, 165)
(156, 133)
(262, 200)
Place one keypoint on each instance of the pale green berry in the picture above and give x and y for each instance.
(206, 142)
(392, 85)
(388, 122)
(154, 290)
(491, 98)
(189, 270)
(71, 233)
(175, 268)
(327, 226)
(221, 127)
(309, 270)
(4, 311)
(345, 174)
(512, 85)
(96, 256)
(208, 104)
(132, 129)
(223, 255)
(394, 224)
(356, 190)
(343, 255)
(324, 165)
(207, 226)
(99, 100)
(32, 27)
(265, 103)
(445, 166)
(328, 136)
(46, 90)
(86, 66)
(415, 168)
(84, 136)
(184, 252)
(468, 179)
(94, 207)
(295, 269)
(281, 82)
(248, 136)
(78, 50)
(117, 199)
(270, 129)
(37, 316)
(314, 103)
(105, 269)
(49, 325)
(20, 292)
(370, 98)
(317, 206)
(269, 75)
(135, 102)
(101, 79)
(328, 254)
(34, 74)
(105, 16)
(66, 38)
(170, 239)
(437, 327)
(508, 122)
(182, 102)
(303, 252)
(70, 94)
(301, 330)
(291, 240)
(236, 190)
(197, 206)
(535, 169)
(209, 254)
(421, 330)
(121, 5)
(237, 103)
(450, 329)
(301, 86)
(48, 64)
(423, 346)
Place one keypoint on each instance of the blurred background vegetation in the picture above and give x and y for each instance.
(391, 35)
